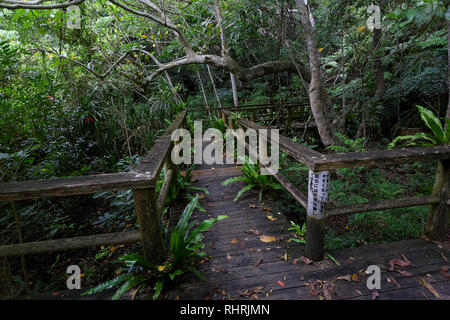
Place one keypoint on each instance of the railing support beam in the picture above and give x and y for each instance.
(149, 224)
(439, 213)
(317, 200)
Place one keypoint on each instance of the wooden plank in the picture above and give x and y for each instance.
(380, 158)
(59, 187)
(383, 205)
(68, 243)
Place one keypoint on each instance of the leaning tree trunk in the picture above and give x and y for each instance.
(317, 98)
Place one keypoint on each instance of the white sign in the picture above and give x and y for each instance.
(318, 193)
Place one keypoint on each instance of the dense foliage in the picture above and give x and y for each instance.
(79, 101)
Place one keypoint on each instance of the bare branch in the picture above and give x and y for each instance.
(37, 4)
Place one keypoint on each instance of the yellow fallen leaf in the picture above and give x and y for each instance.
(161, 268)
(264, 238)
(143, 36)
(320, 49)
(234, 241)
(113, 248)
(360, 29)
(118, 271)
(271, 218)
(430, 288)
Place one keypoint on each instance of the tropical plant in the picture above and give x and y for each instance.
(251, 176)
(300, 232)
(185, 245)
(439, 136)
(181, 183)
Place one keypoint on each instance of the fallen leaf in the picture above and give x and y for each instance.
(444, 257)
(423, 293)
(375, 294)
(271, 218)
(355, 277)
(234, 241)
(430, 288)
(346, 278)
(229, 256)
(252, 205)
(306, 260)
(212, 245)
(258, 263)
(398, 262)
(264, 238)
(242, 244)
(219, 269)
(404, 273)
(406, 259)
(444, 272)
(391, 279)
(281, 284)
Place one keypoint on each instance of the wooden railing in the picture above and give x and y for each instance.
(319, 165)
(142, 181)
(148, 206)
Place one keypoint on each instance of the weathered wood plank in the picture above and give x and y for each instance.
(380, 158)
(68, 243)
(59, 187)
(383, 205)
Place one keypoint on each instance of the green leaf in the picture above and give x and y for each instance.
(433, 123)
(158, 288)
(135, 280)
(133, 258)
(244, 189)
(109, 284)
(234, 179)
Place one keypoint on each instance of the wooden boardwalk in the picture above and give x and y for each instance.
(241, 266)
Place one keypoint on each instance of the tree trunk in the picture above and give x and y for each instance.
(447, 116)
(378, 68)
(223, 40)
(317, 98)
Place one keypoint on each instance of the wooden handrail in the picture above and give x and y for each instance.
(319, 164)
(68, 243)
(142, 181)
(59, 187)
(381, 157)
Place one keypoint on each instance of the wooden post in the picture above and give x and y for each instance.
(149, 224)
(317, 201)
(252, 116)
(437, 220)
(219, 114)
(230, 123)
(224, 118)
